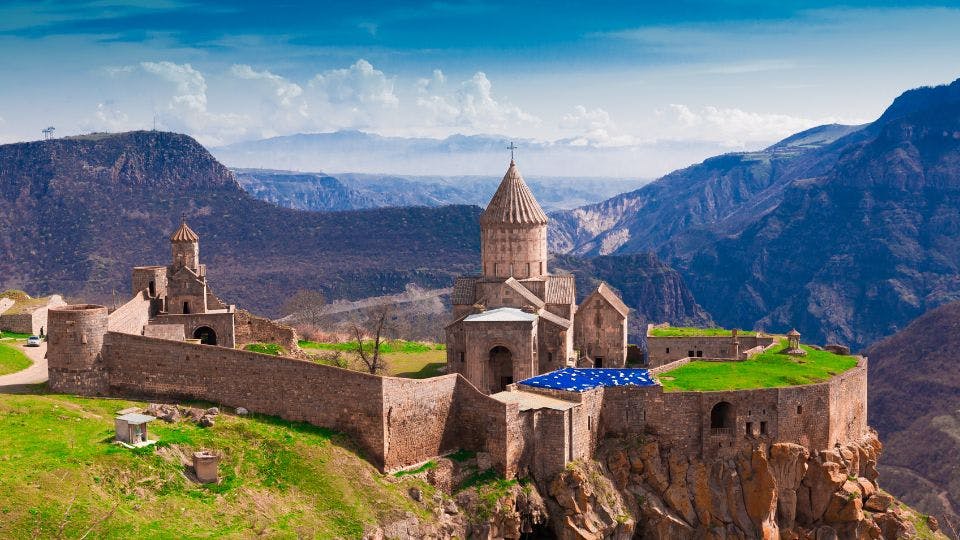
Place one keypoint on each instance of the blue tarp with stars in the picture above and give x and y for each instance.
(583, 379)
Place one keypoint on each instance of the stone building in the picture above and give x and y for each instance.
(516, 320)
(182, 306)
(24, 315)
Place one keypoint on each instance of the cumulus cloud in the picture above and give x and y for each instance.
(187, 109)
(111, 118)
(471, 104)
(360, 84)
(731, 126)
(285, 91)
(593, 127)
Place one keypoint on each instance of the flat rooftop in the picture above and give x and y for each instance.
(768, 369)
(583, 379)
(691, 331)
(529, 401)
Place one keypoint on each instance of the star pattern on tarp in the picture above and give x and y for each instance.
(583, 379)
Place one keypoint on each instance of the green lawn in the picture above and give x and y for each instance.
(13, 335)
(265, 348)
(410, 359)
(61, 476)
(394, 346)
(689, 331)
(766, 370)
(12, 359)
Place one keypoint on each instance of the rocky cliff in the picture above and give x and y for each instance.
(637, 489)
(777, 492)
(847, 233)
(653, 290)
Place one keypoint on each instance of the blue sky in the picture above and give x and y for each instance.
(705, 76)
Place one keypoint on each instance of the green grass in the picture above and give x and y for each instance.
(393, 346)
(265, 348)
(765, 370)
(62, 477)
(423, 468)
(410, 359)
(14, 335)
(12, 359)
(689, 331)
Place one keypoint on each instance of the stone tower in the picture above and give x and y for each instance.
(513, 231)
(74, 344)
(186, 249)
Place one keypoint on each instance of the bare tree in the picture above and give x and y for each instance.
(372, 358)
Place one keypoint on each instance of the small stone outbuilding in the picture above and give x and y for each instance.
(131, 429)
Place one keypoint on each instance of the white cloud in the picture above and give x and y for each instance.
(111, 118)
(284, 90)
(731, 126)
(593, 128)
(360, 84)
(187, 109)
(470, 105)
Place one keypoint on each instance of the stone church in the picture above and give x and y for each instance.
(517, 320)
(182, 306)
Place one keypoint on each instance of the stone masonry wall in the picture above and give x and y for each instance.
(252, 329)
(297, 390)
(848, 404)
(131, 317)
(420, 419)
(661, 350)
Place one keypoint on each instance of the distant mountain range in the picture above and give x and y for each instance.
(846, 232)
(458, 155)
(354, 191)
(76, 214)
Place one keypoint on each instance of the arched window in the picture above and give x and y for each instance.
(722, 419)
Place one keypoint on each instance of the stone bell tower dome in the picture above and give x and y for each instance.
(513, 231)
(185, 245)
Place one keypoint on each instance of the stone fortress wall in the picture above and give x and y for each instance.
(401, 422)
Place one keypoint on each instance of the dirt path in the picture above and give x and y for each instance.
(16, 383)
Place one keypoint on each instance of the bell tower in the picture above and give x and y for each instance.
(513, 231)
(185, 245)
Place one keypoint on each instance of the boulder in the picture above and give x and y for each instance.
(788, 465)
(212, 411)
(206, 421)
(878, 502)
(759, 492)
(845, 504)
(822, 479)
(242, 411)
(416, 494)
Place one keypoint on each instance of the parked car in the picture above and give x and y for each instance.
(33, 341)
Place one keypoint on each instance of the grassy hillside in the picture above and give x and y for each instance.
(61, 476)
(12, 358)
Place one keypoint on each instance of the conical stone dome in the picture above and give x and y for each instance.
(513, 203)
(184, 234)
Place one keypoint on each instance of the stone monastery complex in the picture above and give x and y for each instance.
(534, 380)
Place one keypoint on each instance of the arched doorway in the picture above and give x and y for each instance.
(501, 368)
(206, 335)
(722, 419)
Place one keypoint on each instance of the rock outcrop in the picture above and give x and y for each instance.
(775, 491)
